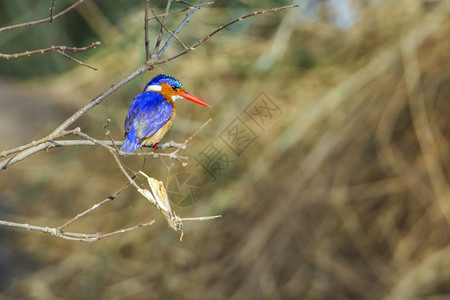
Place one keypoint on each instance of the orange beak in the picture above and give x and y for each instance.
(191, 97)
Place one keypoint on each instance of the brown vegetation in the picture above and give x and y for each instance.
(345, 196)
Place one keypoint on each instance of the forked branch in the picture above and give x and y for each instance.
(46, 20)
(156, 192)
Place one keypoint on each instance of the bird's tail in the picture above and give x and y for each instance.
(131, 143)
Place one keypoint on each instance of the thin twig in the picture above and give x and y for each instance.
(161, 31)
(183, 2)
(203, 40)
(169, 3)
(176, 31)
(49, 142)
(168, 30)
(70, 235)
(32, 144)
(30, 149)
(206, 218)
(24, 154)
(147, 44)
(49, 19)
(180, 159)
(56, 133)
(70, 143)
(51, 9)
(186, 142)
(121, 167)
(52, 48)
(127, 229)
(94, 102)
(114, 148)
(49, 230)
(180, 10)
(140, 70)
(108, 134)
(95, 141)
(46, 144)
(94, 207)
(171, 144)
(76, 60)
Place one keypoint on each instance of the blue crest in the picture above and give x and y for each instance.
(162, 78)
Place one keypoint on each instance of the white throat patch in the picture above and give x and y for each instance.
(153, 88)
(176, 97)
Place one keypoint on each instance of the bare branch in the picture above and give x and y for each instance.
(207, 218)
(46, 144)
(176, 31)
(191, 137)
(58, 49)
(160, 35)
(52, 48)
(60, 129)
(121, 167)
(51, 9)
(70, 235)
(30, 149)
(166, 29)
(171, 144)
(24, 154)
(69, 143)
(203, 40)
(183, 2)
(49, 143)
(76, 60)
(163, 146)
(180, 10)
(94, 207)
(157, 195)
(32, 144)
(98, 100)
(127, 229)
(49, 19)
(147, 44)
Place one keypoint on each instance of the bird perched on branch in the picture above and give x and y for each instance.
(151, 113)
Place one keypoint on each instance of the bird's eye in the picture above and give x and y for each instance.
(175, 88)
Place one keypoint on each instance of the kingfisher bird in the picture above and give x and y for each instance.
(151, 113)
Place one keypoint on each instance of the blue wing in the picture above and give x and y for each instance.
(133, 112)
(148, 112)
(154, 112)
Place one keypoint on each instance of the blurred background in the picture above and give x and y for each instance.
(335, 188)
